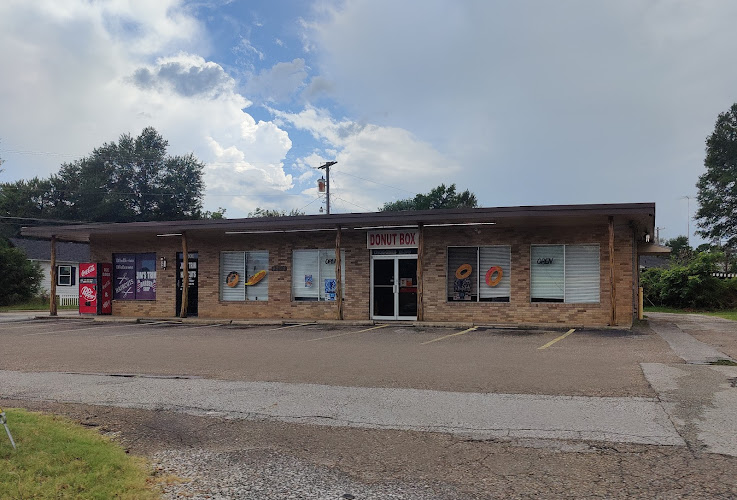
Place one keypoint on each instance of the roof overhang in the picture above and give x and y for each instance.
(640, 215)
(653, 249)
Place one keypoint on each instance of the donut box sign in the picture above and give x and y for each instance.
(400, 238)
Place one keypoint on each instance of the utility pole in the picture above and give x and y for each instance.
(327, 183)
(657, 235)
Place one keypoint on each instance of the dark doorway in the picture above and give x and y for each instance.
(192, 292)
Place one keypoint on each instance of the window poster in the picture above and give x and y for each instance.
(124, 266)
(331, 286)
(146, 276)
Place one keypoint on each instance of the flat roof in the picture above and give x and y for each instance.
(642, 215)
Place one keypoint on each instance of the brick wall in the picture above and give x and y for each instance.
(357, 270)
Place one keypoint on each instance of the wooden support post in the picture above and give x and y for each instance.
(640, 308)
(612, 285)
(52, 299)
(420, 266)
(338, 274)
(185, 276)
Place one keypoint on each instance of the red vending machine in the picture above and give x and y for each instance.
(95, 288)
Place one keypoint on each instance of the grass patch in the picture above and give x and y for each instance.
(726, 314)
(59, 459)
(723, 362)
(35, 304)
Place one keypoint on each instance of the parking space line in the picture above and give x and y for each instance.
(557, 339)
(62, 331)
(348, 333)
(30, 324)
(451, 335)
(289, 326)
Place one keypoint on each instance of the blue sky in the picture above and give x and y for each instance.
(524, 103)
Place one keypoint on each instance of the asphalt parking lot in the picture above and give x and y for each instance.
(555, 362)
(320, 411)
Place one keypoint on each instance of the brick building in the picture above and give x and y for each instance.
(573, 265)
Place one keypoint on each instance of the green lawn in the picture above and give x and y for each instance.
(726, 314)
(34, 305)
(57, 458)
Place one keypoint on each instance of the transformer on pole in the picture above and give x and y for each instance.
(324, 186)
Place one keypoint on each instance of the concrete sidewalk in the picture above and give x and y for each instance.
(483, 416)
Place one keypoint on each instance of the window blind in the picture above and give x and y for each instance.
(457, 257)
(547, 273)
(495, 256)
(582, 273)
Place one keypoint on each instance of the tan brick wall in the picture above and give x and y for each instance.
(357, 268)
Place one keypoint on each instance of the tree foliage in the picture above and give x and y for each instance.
(268, 212)
(131, 180)
(438, 198)
(20, 279)
(679, 248)
(717, 195)
(690, 285)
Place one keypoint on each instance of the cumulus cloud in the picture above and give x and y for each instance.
(83, 75)
(278, 83)
(186, 75)
(375, 163)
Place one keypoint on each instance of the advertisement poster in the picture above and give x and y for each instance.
(330, 289)
(124, 266)
(146, 276)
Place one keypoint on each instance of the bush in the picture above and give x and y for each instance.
(690, 285)
(20, 279)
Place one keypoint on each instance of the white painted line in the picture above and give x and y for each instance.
(348, 333)
(289, 326)
(557, 339)
(63, 331)
(449, 336)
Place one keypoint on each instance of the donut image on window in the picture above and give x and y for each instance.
(494, 281)
(464, 271)
(232, 279)
(256, 278)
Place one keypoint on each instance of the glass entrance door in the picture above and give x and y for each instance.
(394, 287)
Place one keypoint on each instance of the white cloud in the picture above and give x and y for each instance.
(278, 83)
(85, 73)
(559, 102)
(375, 164)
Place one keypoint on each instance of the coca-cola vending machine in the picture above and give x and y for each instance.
(95, 288)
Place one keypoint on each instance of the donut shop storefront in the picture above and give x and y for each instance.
(540, 265)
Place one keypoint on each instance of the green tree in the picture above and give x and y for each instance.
(268, 212)
(679, 248)
(438, 198)
(717, 195)
(131, 180)
(20, 278)
(217, 214)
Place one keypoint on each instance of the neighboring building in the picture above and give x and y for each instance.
(572, 265)
(68, 257)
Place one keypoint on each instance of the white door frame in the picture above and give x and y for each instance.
(395, 288)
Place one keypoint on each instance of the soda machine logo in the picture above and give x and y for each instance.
(87, 293)
(83, 272)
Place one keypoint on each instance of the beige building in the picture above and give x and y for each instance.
(572, 265)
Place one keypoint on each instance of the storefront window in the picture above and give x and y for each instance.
(479, 274)
(244, 276)
(134, 276)
(313, 275)
(564, 273)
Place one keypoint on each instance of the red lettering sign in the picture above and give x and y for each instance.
(392, 239)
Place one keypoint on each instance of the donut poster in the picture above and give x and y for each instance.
(462, 282)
